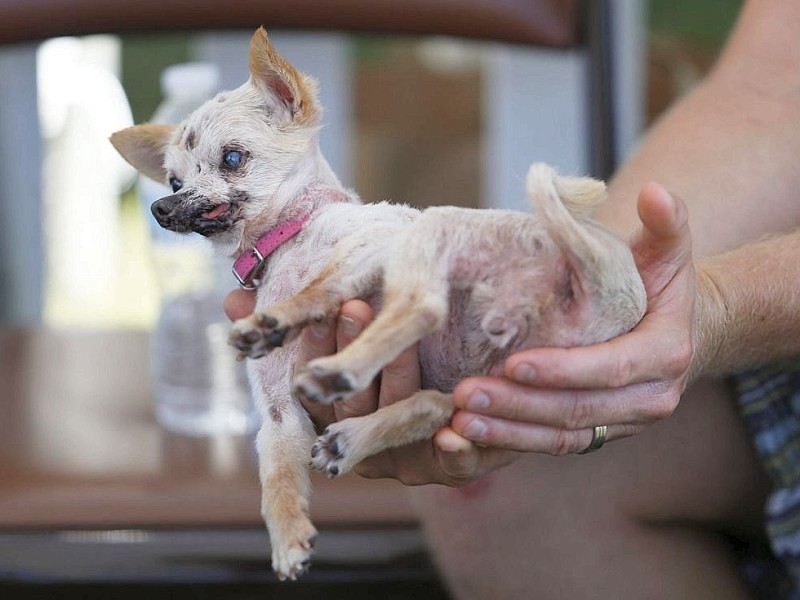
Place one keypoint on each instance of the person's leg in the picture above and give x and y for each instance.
(641, 518)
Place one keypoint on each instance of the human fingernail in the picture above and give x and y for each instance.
(478, 400)
(349, 326)
(524, 373)
(476, 429)
(320, 330)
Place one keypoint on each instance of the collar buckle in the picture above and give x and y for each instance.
(247, 271)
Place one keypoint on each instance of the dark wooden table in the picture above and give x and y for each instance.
(98, 501)
(79, 448)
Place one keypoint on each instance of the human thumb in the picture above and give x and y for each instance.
(664, 239)
(664, 217)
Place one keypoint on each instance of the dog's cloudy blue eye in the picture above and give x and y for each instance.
(232, 159)
(175, 183)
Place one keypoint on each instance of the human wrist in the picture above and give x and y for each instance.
(711, 319)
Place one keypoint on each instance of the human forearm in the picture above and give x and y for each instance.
(748, 306)
(730, 146)
(726, 161)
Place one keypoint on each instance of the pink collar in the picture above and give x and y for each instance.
(249, 265)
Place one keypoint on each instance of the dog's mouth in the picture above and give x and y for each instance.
(171, 213)
(218, 219)
(218, 211)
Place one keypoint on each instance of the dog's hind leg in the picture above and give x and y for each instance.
(354, 271)
(415, 305)
(346, 443)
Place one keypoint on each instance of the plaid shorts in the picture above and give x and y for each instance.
(769, 399)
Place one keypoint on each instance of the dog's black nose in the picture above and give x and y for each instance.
(164, 207)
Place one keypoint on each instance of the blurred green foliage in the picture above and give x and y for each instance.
(144, 57)
(701, 22)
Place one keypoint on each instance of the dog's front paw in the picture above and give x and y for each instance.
(257, 335)
(316, 383)
(292, 549)
(335, 452)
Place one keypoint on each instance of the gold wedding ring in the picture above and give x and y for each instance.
(598, 439)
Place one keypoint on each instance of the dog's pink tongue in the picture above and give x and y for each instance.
(217, 211)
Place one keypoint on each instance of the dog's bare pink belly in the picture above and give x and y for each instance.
(458, 350)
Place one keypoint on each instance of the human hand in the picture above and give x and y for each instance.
(447, 459)
(551, 398)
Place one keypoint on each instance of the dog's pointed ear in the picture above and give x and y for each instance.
(280, 81)
(144, 146)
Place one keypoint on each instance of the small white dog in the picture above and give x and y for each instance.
(472, 286)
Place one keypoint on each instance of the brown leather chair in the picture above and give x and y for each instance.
(544, 22)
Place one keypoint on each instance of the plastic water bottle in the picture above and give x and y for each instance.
(199, 387)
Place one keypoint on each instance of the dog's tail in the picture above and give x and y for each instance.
(579, 195)
(563, 203)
